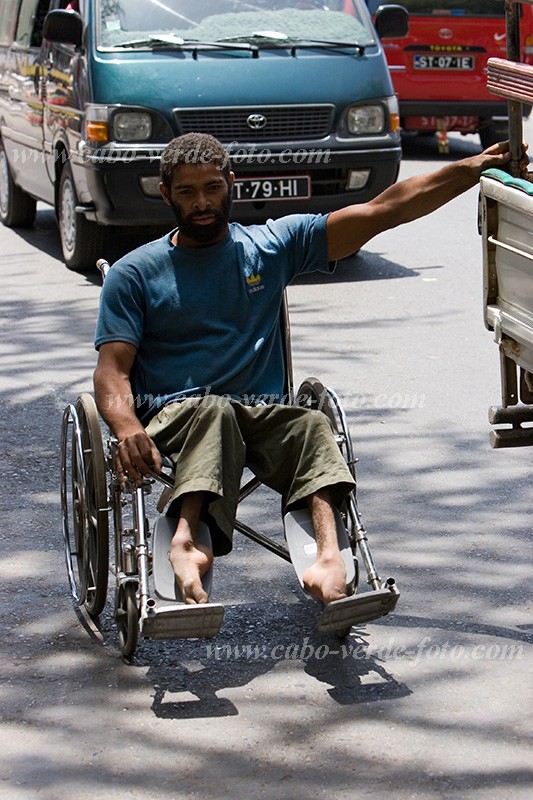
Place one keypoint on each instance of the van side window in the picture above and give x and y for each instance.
(30, 22)
(8, 14)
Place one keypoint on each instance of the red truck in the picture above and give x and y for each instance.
(439, 70)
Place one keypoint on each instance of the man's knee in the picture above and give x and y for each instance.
(312, 422)
(214, 407)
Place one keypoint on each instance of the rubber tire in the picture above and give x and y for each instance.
(313, 394)
(127, 618)
(17, 208)
(70, 506)
(82, 241)
(492, 133)
(94, 566)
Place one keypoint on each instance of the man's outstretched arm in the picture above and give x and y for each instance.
(350, 228)
(114, 398)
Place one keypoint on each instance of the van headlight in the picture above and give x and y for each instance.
(365, 119)
(132, 126)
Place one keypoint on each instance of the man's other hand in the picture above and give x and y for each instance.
(498, 156)
(136, 456)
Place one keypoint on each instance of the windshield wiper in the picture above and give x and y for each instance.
(175, 42)
(327, 43)
(280, 39)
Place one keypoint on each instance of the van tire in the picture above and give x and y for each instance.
(17, 208)
(492, 132)
(82, 241)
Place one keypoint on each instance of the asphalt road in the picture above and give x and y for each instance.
(432, 702)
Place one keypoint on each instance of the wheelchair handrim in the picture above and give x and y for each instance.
(70, 418)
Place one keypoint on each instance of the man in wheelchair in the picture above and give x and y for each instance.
(191, 358)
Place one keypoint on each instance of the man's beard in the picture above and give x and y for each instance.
(203, 234)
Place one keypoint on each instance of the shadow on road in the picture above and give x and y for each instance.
(240, 654)
(44, 236)
(426, 148)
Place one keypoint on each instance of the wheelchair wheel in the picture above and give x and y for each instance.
(127, 618)
(84, 505)
(313, 394)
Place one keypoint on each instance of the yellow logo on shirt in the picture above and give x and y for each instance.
(254, 283)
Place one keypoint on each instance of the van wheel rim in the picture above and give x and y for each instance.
(68, 216)
(4, 184)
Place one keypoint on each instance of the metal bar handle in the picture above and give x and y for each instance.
(104, 267)
(512, 23)
(510, 248)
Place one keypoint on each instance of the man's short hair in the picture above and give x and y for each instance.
(193, 148)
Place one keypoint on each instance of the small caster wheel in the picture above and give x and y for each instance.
(127, 618)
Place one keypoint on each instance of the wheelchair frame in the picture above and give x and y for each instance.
(87, 501)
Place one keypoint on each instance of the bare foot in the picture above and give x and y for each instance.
(190, 561)
(326, 579)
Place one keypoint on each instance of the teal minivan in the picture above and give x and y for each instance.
(91, 91)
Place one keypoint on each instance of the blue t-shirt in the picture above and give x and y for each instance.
(206, 320)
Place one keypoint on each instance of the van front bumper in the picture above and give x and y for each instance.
(110, 188)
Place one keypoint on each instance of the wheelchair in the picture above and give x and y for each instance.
(147, 601)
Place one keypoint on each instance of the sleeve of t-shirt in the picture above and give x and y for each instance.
(121, 314)
(304, 239)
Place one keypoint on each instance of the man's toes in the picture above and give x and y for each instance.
(323, 589)
(336, 594)
(193, 592)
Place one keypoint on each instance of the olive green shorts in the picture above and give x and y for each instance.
(211, 439)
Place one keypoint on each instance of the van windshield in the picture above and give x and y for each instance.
(265, 23)
(436, 8)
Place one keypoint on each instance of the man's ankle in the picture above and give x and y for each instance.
(328, 555)
(183, 539)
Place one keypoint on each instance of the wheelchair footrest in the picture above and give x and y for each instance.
(357, 608)
(165, 585)
(301, 542)
(202, 621)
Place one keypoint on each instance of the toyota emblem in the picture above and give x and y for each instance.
(256, 121)
(445, 33)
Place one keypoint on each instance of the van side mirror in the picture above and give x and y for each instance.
(63, 27)
(391, 22)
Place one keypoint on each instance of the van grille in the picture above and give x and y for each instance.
(282, 122)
